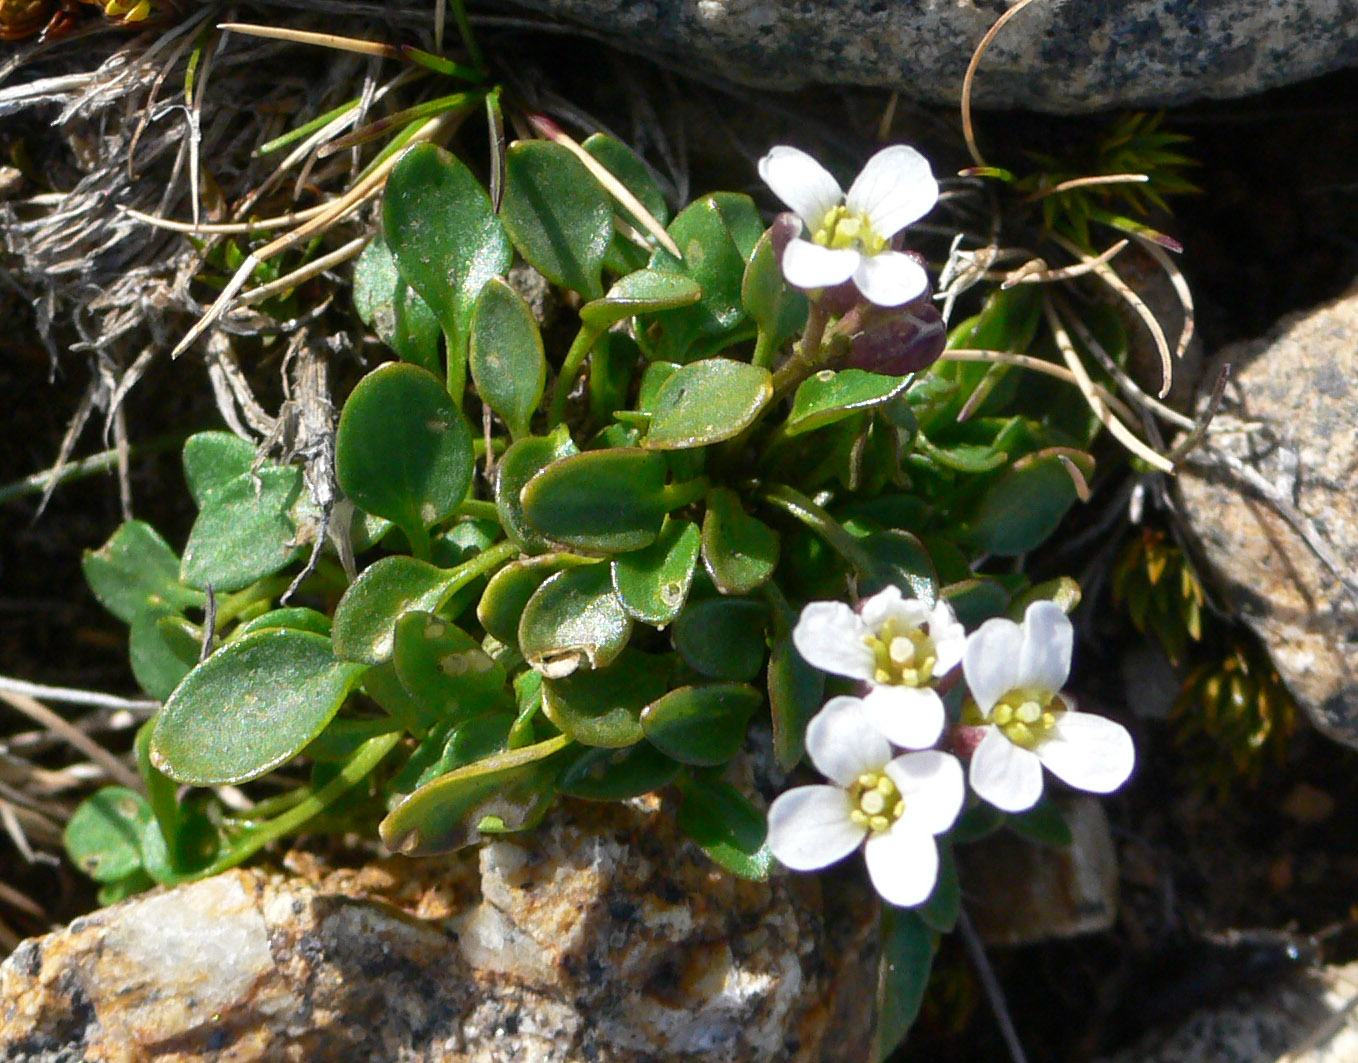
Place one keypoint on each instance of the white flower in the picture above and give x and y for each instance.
(850, 235)
(1015, 675)
(899, 646)
(897, 805)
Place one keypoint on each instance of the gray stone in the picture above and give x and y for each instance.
(1272, 500)
(1074, 56)
(602, 936)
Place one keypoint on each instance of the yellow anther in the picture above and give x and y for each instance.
(1003, 715)
(859, 817)
(885, 785)
(878, 823)
(868, 780)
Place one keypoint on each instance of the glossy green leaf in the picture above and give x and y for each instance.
(796, 693)
(161, 648)
(646, 291)
(505, 792)
(777, 309)
(508, 591)
(975, 601)
(506, 357)
(727, 827)
(103, 836)
(245, 531)
(393, 310)
(740, 551)
(475, 739)
(133, 567)
(613, 365)
(742, 218)
(557, 214)
(907, 955)
(445, 235)
(1025, 504)
(608, 501)
(365, 618)
(445, 669)
(970, 458)
(652, 380)
(653, 583)
(701, 724)
(212, 459)
(574, 619)
(723, 637)
(603, 707)
(403, 449)
(384, 686)
(296, 617)
(251, 706)
(622, 162)
(828, 396)
(520, 463)
(707, 401)
(618, 774)
(1063, 590)
(899, 559)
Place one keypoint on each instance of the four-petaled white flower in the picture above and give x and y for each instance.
(1015, 675)
(897, 805)
(851, 235)
(899, 646)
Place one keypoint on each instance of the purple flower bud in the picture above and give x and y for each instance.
(910, 339)
(840, 299)
(786, 227)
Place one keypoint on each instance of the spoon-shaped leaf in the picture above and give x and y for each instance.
(575, 618)
(653, 583)
(103, 836)
(602, 501)
(506, 356)
(740, 551)
(707, 401)
(603, 707)
(701, 724)
(617, 774)
(723, 637)
(827, 396)
(523, 460)
(391, 308)
(646, 291)
(133, 567)
(366, 616)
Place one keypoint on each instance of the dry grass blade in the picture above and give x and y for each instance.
(304, 273)
(73, 736)
(967, 129)
(323, 40)
(1037, 365)
(1038, 272)
(1179, 283)
(281, 221)
(1089, 182)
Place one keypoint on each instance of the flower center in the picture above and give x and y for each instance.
(903, 657)
(877, 802)
(841, 228)
(1026, 716)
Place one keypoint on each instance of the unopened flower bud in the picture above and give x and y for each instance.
(786, 227)
(909, 340)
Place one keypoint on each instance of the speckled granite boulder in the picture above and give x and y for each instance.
(1074, 56)
(1272, 500)
(599, 938)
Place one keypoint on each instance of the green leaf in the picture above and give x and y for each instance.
(898, 559)
(162, 648)
(133, 567)
(245, 531)
(403, 449)
(727, 827)
(446, 238)
(778, 310)
(976, 601)
(740, 551)
(1063, 590)
(599, 502)
(298, 618)
(520, 463)
(796, 693)
(622, 162)
(644, 292)
(557, 214)
(907, 954)
(603, 707)
(103, 836)
(978, 820)
(1025, 504)
(505, 792)
(506, 359)
(1044, 823)
(828, 396)
(392, 309)
(446, 670)
(365, 618)
(944, 905)
(575, 618)
(723, 637)
(742, 218)
(653, 582)
(384, 686)
(618, 774)
(250, 707)
(707, 401)
(701, 724)
(970, 458)
(213, 459)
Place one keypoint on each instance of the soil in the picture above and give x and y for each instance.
(1274, 230)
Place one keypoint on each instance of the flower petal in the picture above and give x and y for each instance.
(896, 187)
(890, 604)
(842, 742)
(1089, 752)
(933, 787)
(802, 183)
(809, 827)
(950, 638)
(1048, 638)
(1006, 775)
(887, 279)
(990, 661)
(808, 265)
(903, 865)
(910, 717)
(829, 636)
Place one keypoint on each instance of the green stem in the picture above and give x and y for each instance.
(305, 130)
(807, 358)
(795, 504)
(418, 535)
(490, 558)
(233, 605)
(570, 369)
(676, 496)
(95, 463)
(478, 509)
(764, 350)
(358, 767)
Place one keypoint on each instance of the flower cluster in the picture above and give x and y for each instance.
(1015, 720)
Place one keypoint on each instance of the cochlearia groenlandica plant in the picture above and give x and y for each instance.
(765, 503)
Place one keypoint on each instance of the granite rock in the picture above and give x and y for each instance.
(1272, 501)
(1062, 57)
(601, 937)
